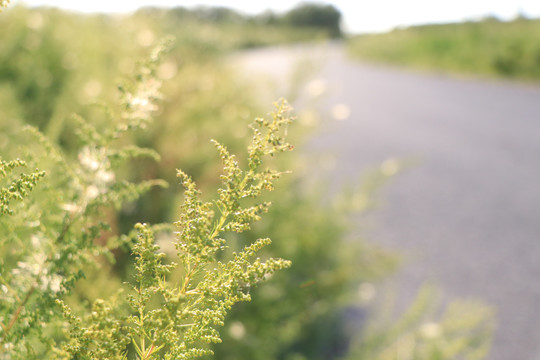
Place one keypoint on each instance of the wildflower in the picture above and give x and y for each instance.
(141, 102)
(52, 283)
(92, 192)
(98, 173)
(91, 158)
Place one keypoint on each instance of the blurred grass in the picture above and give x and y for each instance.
(488, 48)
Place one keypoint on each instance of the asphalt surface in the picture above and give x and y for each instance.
(466, 215)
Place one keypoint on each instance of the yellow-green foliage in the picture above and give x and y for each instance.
(489, 47)
(47, 242)
(100, 169)
(16, 189)
(173, 319)
(49, 247)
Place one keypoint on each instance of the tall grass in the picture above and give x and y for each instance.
(489, 48)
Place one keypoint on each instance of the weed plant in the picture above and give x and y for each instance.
(48, 247)
(80, 280)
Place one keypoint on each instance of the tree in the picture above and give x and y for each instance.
(317, 16)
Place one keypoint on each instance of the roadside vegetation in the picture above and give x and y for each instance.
(488, 48)
(97, 113)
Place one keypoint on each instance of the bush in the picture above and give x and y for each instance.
(53, 236)
(81, 280)
(315, 16)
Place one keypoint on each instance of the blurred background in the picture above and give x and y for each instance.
(412, 214)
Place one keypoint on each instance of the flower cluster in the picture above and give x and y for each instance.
(97, 169)
(140, 98)
(141, 104)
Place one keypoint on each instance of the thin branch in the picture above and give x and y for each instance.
(17, 313)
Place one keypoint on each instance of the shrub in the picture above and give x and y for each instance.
(315, 16)
(50, 238)
(71, 288)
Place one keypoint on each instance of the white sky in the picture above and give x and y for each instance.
(358, 15)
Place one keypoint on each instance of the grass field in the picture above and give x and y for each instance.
(489, 47)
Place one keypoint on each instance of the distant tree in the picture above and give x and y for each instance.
(315, 15)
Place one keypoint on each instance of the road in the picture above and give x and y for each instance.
(466, 215)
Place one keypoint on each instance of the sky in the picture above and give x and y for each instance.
(359, 16)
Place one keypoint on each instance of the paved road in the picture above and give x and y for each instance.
(467, 214)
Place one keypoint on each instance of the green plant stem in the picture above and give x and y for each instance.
(22, 303)
(191, 270)
(16, 315)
